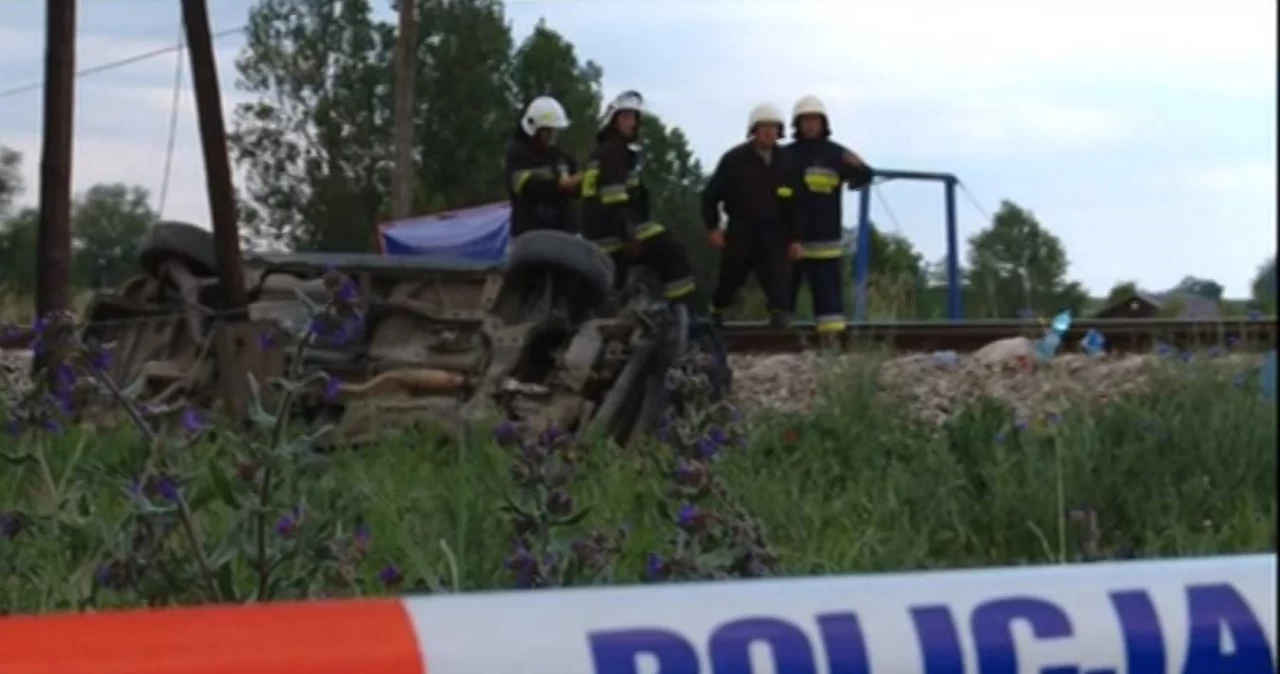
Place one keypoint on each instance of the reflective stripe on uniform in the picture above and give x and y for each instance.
(822, 250)
(821, 180)
(679, 288)
(785, 192)
(519, 178)
(590, 176)
(831, 323)
(609, 244)
(648, 230)
(613, 194)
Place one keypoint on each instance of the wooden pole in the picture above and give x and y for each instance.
(402, 171)
(217, 166)
(53, 275)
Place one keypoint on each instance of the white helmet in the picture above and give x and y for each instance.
(627, 100)
(764, 113)
(809, 105)
(544, 112)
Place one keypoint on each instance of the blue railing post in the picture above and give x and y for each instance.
(954, 285)
(862, 257)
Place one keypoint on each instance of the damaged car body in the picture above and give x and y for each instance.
(541, 340)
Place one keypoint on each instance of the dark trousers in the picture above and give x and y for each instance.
(667, 258)
(748, 252)
(826, 286)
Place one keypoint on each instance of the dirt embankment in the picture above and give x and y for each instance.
(937, 386)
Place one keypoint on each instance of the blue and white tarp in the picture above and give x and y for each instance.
(479, 234)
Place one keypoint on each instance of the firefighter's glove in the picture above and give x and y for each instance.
(795, 251)
(716, 238)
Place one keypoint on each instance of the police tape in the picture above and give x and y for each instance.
(1208, 615)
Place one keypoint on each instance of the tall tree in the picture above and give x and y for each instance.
(10, 179)
(465, 109)
(316, 144)
(18, 251)
(107, 223)
(1121, 290)
(1264, 285)
(1016, 265)
(1200, 287)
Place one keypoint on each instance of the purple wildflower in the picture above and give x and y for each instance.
(390, 575)
(11, 524)
(688, 515)
(707, 447)
(504, 433)
(167, 488)
(347, 292)
(100, 360)
(191, 421)
(267, 340)
(332, 387)
(288, 524)
(654, 566)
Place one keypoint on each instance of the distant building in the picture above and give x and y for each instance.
(1152, 305)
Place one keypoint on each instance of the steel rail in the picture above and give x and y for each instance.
(1122, 335)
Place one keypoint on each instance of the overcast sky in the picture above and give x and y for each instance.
(1143, 133)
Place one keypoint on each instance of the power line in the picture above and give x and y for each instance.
(174, 106)
(112, 65)
(884, 204)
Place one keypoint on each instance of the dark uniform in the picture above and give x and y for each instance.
(616, 218)
(820, 167)
(757, 199)
(533, 173)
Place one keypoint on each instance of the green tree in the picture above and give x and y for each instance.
(546, 64)
(1017, 266)
(1121, 290)
(108, 223)
(316, 144)
(1200, 287)
(1264, 287)
(10, 179)
(465, 108)
(18, 252)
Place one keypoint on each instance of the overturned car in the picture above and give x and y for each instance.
(541, 339)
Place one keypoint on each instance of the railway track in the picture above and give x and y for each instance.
(1123, 335)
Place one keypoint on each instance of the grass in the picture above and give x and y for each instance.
(854, 486)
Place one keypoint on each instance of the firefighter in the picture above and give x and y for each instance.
(616, 203)
(819, 167)
(751, 183)
(542, 179)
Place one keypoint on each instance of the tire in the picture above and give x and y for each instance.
(540, 249)
(191, 245)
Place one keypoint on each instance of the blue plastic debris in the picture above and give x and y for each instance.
(1093, 343)
(1047, 347)
(946, 357)
(1062, 322)
(1269, 377)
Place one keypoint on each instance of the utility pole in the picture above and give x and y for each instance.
(217, 166)
(402, 170)
(53, 273)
